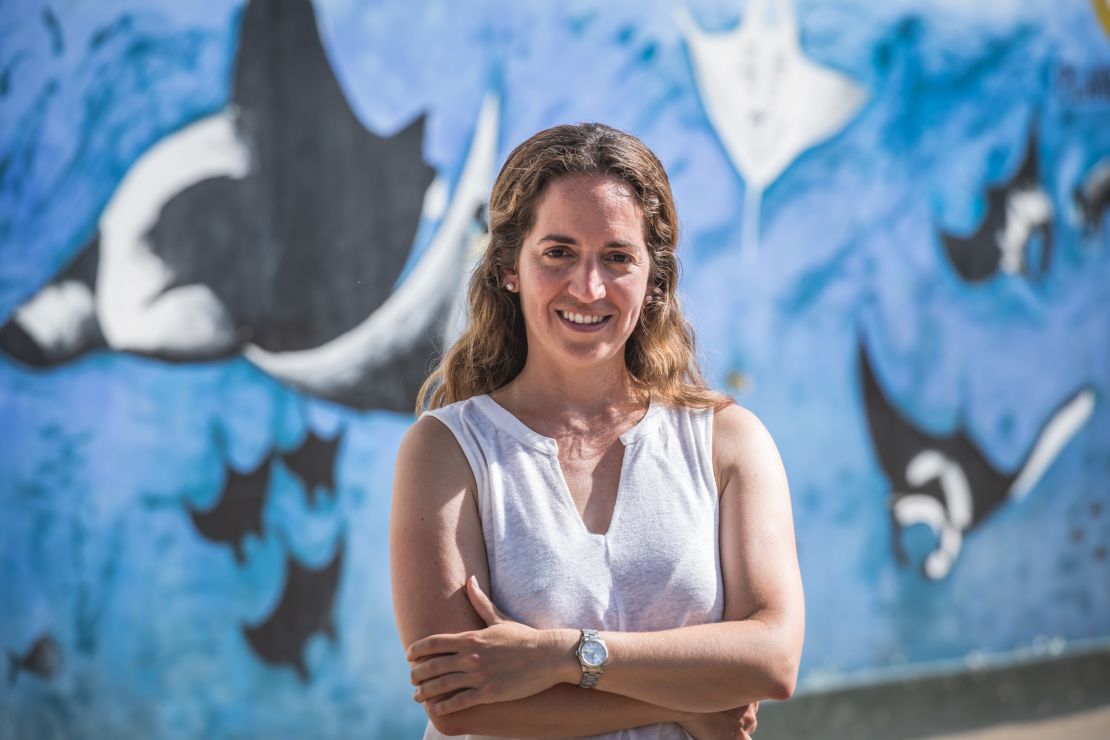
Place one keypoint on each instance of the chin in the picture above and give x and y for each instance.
(594, 357)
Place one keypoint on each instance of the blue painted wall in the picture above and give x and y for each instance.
(123, 618)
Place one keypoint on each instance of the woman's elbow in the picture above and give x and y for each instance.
(771, 679)
(782, 687)
(783, 677)
(450, 724)
(478, 720)
(785, 657)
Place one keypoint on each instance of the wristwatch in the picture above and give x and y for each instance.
(592, 656)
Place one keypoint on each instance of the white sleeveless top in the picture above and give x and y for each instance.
(656, 568)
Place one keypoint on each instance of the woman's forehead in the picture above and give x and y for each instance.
(593, 205)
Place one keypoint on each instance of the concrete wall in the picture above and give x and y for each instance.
(232, 235)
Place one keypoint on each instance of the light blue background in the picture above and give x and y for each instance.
(99, 457)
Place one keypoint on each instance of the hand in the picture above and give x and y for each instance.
(507, 660)
(731, 724)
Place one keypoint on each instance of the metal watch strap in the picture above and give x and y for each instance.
(590, 675)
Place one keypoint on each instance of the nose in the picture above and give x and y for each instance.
(587, 282)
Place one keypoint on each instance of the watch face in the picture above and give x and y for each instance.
(594, 654)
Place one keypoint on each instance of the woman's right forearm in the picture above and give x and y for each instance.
(561, 711)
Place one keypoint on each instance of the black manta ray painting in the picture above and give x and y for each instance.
(1017, 211)
(306, 606)
(313, 463)
(238, 510)
(43, 659)
(1092, 196)
(277, 227)
(944, 481)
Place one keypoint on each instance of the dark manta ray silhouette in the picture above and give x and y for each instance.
(278, 227)
(313, 462)
(1017, 210)
(1092, 196)
(238, 510)
(945, 482)
(306, 606)
(43, 659)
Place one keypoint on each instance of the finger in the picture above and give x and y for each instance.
(748, 718)
(434, 645)
(440, 685)
(432, 667)
(482, 604)
(463, 700)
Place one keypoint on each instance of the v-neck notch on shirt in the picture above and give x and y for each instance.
(510, 423)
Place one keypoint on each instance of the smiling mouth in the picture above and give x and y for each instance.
(583, 320)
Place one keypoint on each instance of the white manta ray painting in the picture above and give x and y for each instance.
(767, 102)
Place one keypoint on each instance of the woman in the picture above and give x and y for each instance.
(631, 527)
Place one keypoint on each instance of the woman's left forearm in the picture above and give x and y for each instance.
(703, 668)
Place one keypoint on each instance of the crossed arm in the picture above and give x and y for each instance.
(480, 673)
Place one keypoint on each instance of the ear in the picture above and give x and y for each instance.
(510, 279)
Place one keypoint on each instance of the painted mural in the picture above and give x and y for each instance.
(234, 235)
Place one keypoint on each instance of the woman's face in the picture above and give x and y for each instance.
(582, 272)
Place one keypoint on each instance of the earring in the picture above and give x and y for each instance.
(510, 286)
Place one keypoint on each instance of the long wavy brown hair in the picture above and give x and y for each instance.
(659, 354)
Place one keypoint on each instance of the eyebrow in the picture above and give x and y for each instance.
(564, 239)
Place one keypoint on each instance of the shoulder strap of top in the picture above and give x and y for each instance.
(701, 423)
(467, 428)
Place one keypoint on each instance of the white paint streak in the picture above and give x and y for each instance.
(478, 238)
(1064, 425)
(948, 521)
(920, 508)
(930, 465)
(1026, 211)
(136, 311)
(59, 318)
(435, 201)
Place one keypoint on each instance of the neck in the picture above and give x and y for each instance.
(587, 392)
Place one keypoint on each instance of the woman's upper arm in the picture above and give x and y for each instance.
(435, 535)
(759, 560)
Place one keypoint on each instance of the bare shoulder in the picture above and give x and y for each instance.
(742, 447)
(430, 452)
(733, 422)
(428, 435)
